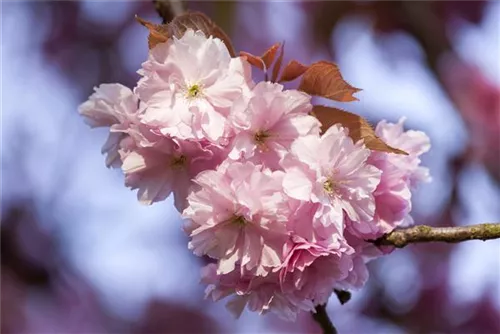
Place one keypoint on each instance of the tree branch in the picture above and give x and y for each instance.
(321, 317)
(168, 9)
(423, 233)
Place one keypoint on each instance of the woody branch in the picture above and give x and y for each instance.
(423, 233)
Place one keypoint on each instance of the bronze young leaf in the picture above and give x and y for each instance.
(199, 21)
(158, 33)
(359, 128)
(270, 54)
(277, 65)
(254, 60)
(292, 71)
(265, 61)
(324, 79)
(189, 20)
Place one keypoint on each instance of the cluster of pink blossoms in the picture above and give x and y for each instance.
(283, 210)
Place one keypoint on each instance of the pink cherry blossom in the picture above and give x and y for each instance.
(109, 104)
(304, 222)
(268, 123)
(311, 270)
(415, 143)
(363, 253)
(332, 171)
(257, 293)
(286, 213)
(357, 275)
(393, 205)
(114, 106)
(241, 213)
(167, 166)
(189, 85)
(400, 173)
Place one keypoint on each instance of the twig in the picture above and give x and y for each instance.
(423, 233)
(321, 317)
(168, 9)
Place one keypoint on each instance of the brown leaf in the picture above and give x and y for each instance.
(268, 56)
(324, 79)
(158, 33)
(199, 21)
(195, 21)
(292, 71)
(277, 65)
(263, 62)
(359, 128)
(253, 60)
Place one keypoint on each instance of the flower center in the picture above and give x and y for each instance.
(178, 162)
(193, 91)
(239, 220)
(330, 187)
(260, 137)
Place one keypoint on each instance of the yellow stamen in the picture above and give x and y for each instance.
(193, 91)
(329, 186)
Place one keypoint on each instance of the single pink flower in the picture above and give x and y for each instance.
(190, 84)
(400, 173)
(258, 294)
(241, 214)
(415, 143)
(393, 205)
(333, 172)
(109, 104)
(167, 166)
(114, 106)
(311, 270)
(268, 123)
(304, 222)
(357, 275)
(363, 252)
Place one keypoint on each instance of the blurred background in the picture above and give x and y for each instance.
(79, 254)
